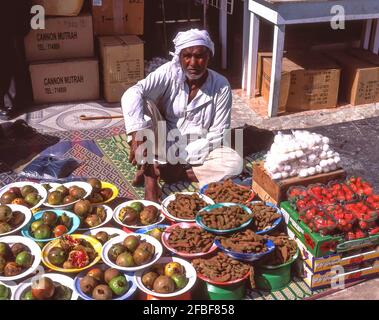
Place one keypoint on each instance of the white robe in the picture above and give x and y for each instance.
(208, 115)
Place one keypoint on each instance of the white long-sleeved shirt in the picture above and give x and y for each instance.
(208, 115)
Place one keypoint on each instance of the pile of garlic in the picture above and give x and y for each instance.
(301, 153)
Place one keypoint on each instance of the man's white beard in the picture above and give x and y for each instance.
(194, 76)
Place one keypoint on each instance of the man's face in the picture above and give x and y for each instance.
(194, 61)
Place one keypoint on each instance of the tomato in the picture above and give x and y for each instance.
(60, 230)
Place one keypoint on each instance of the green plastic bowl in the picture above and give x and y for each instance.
(232, 292)
(273, 278)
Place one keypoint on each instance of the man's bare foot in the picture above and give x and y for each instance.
(152, 190)
(139, 178)
(190, 175)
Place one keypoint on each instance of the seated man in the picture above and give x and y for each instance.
(191, 105)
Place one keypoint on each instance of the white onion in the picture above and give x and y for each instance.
(325, 147)
(325, 140)
(285, 175)
(318, 169)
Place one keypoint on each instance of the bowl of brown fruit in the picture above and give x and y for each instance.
(102, 191)
(131, 253)
(63, 196)
(29, 194)
(19, 257)
(245, 245)
(92, 216)
(266, 216)
(184, 206)
(228, 191)
(221, 270)
(188, 240)
(221, 218)
(138, 214)
(13, 218)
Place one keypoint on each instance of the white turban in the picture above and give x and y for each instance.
(186, 39)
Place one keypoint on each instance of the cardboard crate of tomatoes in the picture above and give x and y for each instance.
(338, 212)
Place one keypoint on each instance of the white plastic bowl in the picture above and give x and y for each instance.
(56, 277)
(190, 274)
(25, 211)
(145, 203)
(109, 215)
(41, 191)
(120, 239)
(12, 286)
(34, 250)
(86, 186)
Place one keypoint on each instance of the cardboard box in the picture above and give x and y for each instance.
(122, 64)
(63, 38)
(346, 259)
(316, 281)
(64, 81)
(60, 7)
(314, 85)
(117, 17)
(276, 191)
(318, 245)
(261, 55)
(287, 67)
(360, 77)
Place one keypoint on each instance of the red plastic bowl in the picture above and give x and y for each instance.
(184, 225)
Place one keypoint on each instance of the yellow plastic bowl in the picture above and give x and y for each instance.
(55, 243)
(110, 186)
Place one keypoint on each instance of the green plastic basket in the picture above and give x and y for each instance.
(273, 278)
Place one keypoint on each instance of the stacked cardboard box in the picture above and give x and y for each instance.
(117, 24)
(62, 64)
(60, 7)
(308, 82)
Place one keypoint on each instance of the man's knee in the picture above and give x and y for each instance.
(234, 163)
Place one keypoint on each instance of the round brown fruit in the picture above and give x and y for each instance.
(77, 192)
(128, 216)
(82, 208)
(125, 260)
(12, 269)
(110, 273)
(8, 197)
(55, 198)
(5, 213)
(43, 288)
(17, 248)
(141, 256)
(102, 236)
(95, 183)
(25, 190)
(87, 284)
(149, 278)
(20, 202)
(62, 189)
(92, 221)
(96, 273)
(106, 193)
(68, 199)
(49, 218)
(131, 243)
(102, 292)
(149, 215)
(17, 218)
(164, 284)
(96, 198)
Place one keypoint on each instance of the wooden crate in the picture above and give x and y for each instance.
(276, 191)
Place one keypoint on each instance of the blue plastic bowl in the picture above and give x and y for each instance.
(199, 219)
(129, 277)
(247, 256)
(276, 222)
(75, 223)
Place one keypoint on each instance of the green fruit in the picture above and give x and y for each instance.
(4, 249)
(24, 259)
(32, 199)
(119, 285)
(180, 280)
(62, 189)
(55, 198)
(137, 206)
(35, 225)
(4, 292)
(25, 190)
(57, 256)
(5, 227)
(125, 260)
(43, 232)
(28, 296)
(65, 220)
(115, 251)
